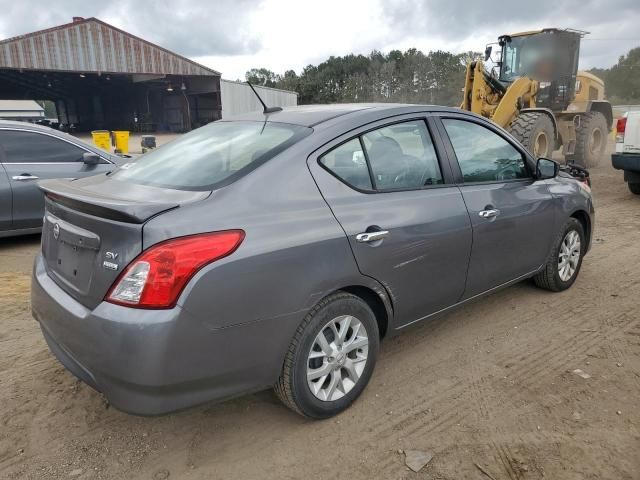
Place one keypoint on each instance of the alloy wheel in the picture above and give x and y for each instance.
(337, 358)
(569, 255)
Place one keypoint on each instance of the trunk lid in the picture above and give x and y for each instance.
(93, 229)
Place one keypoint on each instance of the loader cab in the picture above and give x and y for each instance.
(550, 57)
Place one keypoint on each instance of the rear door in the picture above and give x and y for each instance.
(5, 199)
(512, 214)
(29, 156)
(406, 223)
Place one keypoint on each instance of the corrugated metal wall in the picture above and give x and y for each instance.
(238, 98)
(93, 46)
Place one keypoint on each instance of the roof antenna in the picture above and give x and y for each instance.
(264, 105)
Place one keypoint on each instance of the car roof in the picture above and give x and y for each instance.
(39, 128)
(24, 125)
(312, 115)
(32, 127)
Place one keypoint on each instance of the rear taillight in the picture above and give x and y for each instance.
(158, 275)
(621, 126)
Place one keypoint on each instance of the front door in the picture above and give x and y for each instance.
(510, 212)
(31, 156)
(407, 227)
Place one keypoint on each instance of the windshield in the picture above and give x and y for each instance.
(211, 156)
(528, 55)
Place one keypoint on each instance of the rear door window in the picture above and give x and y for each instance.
(402, 156)
(347, 162)
(211, 156)
(396, 157)
(32, 147)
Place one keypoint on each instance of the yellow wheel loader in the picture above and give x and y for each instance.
(535, 91)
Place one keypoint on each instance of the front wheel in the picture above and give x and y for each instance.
(331, 357)
(535, 131)
(565, 260)
(634, 188)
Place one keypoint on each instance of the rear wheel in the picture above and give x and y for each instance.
(635, 188)
(535, 131)
(565, 259)
(331, 357)
(591, 140)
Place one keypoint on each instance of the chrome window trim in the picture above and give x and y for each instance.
(81, 147)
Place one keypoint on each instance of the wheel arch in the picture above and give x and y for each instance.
(585, 220)
(377, 300)
(603, 107)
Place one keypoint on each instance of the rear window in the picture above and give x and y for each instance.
(211, 156)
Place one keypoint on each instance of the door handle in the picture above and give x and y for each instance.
(491, 213)
(24, 176)
(371, 236)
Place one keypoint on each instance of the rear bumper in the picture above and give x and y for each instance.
(149, 362)
(629, 162)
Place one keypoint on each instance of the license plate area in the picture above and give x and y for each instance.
(70, 253)
(74, 264)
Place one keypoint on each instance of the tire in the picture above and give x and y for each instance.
(551, 278)
(591, 140)
(293, 388)
(535, 131)
(634, 188)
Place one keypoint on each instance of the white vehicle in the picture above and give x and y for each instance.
(627, 155)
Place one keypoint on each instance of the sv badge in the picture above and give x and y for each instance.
(109, 261)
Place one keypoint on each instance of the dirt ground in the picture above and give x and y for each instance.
(490, 384)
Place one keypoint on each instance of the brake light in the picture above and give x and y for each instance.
(158, 275)
(621, 126)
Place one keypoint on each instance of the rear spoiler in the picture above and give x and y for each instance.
(128, 203)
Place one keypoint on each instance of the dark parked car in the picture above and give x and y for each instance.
(280, 249)
(30, 152)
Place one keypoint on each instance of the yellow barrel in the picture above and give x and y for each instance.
(102, 139)
(121, 139)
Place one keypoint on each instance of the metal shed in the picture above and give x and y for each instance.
(102, 77)
(238, 98)
(21, 110)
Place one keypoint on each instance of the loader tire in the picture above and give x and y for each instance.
(535, 131)
(591, 140)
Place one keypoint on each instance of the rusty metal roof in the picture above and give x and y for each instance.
(91, 45)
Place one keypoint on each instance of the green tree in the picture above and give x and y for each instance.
(408, 77)
(622, 81)
(262, 76)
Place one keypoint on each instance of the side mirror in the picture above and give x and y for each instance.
(546, 168)
(90, 158)
(487, 52)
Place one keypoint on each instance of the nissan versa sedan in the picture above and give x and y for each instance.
(29, 153)
(278, 250)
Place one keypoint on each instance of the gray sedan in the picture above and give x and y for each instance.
(278, 250)
(30, 152)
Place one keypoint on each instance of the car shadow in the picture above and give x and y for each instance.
(20, 241)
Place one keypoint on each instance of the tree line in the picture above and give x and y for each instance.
(406, 77)
(622, 81)
(412, 76)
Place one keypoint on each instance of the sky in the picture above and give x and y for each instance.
(232, 36)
